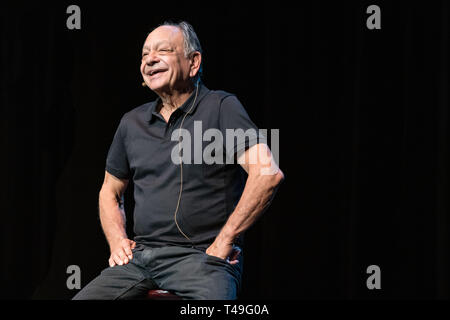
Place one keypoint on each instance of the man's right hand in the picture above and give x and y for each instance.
(121, 252)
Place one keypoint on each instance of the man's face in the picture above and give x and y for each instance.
(164, 66)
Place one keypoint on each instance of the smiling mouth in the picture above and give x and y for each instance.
(154, 72)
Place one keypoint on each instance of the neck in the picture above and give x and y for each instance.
(173, 100)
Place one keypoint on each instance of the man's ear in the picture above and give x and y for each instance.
(196, 61)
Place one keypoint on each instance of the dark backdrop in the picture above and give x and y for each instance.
(363, 128)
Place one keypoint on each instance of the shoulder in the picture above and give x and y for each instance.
(139, 112)
(219, 94)
(133, 118)
(217, 98)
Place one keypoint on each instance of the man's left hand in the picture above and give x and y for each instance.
(226, 251)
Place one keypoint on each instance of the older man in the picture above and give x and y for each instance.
(189, 217)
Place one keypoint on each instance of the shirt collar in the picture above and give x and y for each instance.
(202, 91)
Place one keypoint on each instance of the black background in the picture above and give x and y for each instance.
(363, 126)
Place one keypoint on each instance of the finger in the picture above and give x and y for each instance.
(123, 256)
(133, 244)
(117, 259)
(235, 254)
(233, 262)
(111, 262)
(127, 250)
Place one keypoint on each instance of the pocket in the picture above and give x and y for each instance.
(138, 247)
(208, 256)
(223, 264)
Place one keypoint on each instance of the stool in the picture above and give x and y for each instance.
(161, 295)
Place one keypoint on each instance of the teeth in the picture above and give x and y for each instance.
(153, 72)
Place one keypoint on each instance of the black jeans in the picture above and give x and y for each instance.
(189, 273)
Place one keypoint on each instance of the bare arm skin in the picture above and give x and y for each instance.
(264, 178)
(112, 218)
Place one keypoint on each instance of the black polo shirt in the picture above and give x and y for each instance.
(141, 150)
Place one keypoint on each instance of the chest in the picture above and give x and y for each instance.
(159, 147)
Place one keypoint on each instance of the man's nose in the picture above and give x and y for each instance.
(151, 59)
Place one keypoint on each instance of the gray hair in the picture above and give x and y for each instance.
(191, 42)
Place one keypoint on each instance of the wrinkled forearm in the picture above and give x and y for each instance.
(112, 217)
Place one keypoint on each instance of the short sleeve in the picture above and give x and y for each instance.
(117, 160)
(238, 130)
